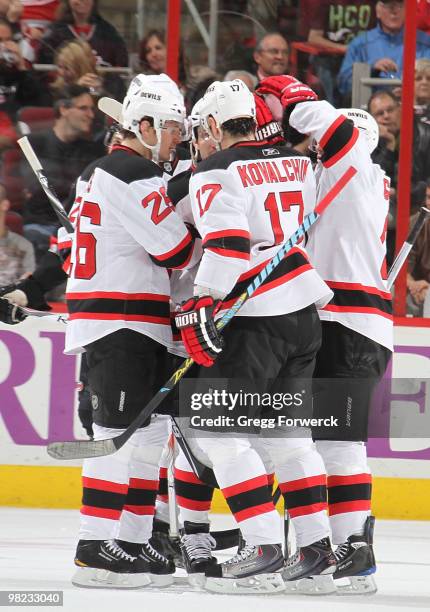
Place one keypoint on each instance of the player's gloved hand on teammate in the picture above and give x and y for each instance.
(287, 89)
(195, 320)
(10, 313)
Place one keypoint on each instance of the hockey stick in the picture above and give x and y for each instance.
(36, 166)
(80, 449)
(400, 259)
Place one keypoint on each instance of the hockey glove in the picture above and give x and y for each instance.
(287, 89)
(198, 331)
(267, 128)
(10, 314)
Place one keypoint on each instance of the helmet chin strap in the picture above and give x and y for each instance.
(155, 149)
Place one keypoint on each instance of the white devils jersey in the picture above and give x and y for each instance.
(127, 236)
(247, 201)
(347, 245)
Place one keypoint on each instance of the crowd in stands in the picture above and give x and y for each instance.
(55, 61)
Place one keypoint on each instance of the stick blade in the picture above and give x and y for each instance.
(111, 107)
(81, 449)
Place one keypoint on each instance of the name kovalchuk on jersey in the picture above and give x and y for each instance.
(247, 200)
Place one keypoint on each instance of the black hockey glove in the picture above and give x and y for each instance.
(10, 314)
(198, 331)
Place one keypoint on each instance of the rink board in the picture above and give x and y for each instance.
(38, 399)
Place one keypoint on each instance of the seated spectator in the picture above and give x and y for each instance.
(385, 108)
(271, 55)
(77, 65)
(422, 89)
(152, 55)
(18, 86)
(64, 151)
(16, 253)
(382, 47)
(333, 24)
(80, 19)
(418, 278)
(249, 79)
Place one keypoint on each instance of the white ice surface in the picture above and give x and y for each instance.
(37, 548)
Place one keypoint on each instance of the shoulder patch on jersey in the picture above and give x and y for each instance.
(127, 167)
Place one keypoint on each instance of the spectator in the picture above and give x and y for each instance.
(77, 65)
(418, 278)
(80, 19)
(422, 89)
(152, 55)
(385, 108)
(382, 47)
(246, 77)
(333, 24)
(271, 55)
(64, 152)
(16, 253)
(18, 86)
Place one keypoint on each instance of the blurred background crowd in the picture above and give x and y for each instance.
(57, 57)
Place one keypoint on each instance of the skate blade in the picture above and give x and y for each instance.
(356, 585)
(92, 578)
(264, 584)
(314, 585)
(161, 580)
(196, 580)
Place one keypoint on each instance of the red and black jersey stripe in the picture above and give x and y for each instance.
(305, 495)
(357, 298)
(338, 140)
(103, 498)
(178, 257)
(162, 485)
(104, 305)
(191, 492)
(141, 496)
(249, 498)
(349, 493)
(229, 243)
(294, 264)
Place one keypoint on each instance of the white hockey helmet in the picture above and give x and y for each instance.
(146, 99)
(226, 100)
(365, 123)
(194, 122)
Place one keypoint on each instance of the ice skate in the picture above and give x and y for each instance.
(160, 568)
(196, 546)
(104, 564)
(254, 569)
(165, 544)
(355, 563)
(310, 570)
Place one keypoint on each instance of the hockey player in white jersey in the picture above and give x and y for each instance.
(245, 199)
(127, 236)
(347, 247)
